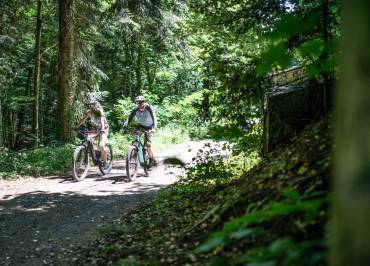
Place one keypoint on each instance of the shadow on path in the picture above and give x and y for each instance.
(36, 227)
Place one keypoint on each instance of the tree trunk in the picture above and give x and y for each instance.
(65, 79)
(139, 61)
(36, 81)
(1, 93)
(351, 210)
(151, 72)
(325, 55)
(1, 123)
(127, 91)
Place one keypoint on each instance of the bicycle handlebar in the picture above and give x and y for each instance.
(137, 130)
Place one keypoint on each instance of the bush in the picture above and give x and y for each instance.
(119, 142)
(214, 165)
(167, 136)
(172, 112)
(36, 162)
(187, 111)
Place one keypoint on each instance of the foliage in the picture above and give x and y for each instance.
(274, 214)
(292, 206)
(167, 136)
(213, 166)
(121, 49)
(186, 113)
(120, 143)
(36, 162)
(56, 158)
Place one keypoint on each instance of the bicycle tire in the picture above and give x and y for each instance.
(78, 175)
(106, 169)
(131, 163)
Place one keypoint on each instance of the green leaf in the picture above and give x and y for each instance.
(220, 262)
(242, 233)
(211, 244)
(265, 263)
(280, 246)
(291, 193)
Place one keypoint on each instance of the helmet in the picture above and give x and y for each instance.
(139, 99)
(92, 101)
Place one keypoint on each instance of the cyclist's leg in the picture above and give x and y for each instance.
(102, 141)
(148, 143)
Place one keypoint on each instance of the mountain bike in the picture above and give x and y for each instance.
(137, 154)
(85, 152)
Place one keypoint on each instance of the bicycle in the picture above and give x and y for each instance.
(83, 153)
(137, 154)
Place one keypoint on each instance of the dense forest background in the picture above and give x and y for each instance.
(210, 57)
(207, 66)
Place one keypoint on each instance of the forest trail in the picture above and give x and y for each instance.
(42, 220)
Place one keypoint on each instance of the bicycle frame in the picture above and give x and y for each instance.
(139, 145)
(88, 143)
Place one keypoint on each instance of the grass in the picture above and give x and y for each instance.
(36, 162)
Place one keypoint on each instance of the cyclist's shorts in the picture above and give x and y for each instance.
(147, 135)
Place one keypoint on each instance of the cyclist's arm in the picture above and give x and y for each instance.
(84, 117)
(154, 117)
(130, 117)
(102, 120)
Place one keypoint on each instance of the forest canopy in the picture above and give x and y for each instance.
(217, 52)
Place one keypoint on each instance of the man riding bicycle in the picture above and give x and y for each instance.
(99, 123)
(147, 121)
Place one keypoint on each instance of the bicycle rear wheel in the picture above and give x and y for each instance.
(80, 163)
(109, 163)
(131, 162)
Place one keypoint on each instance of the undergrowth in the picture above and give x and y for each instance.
(220, 214)
(57, 158)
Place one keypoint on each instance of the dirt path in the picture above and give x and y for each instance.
(42, 220)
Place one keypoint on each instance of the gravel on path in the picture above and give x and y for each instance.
(42, 220)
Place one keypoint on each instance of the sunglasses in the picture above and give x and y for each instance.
(140, 102)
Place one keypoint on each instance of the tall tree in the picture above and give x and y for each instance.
(66, 55)
(1, 97)
(36, 82)
(351, 215)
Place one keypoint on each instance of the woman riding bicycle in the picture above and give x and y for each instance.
(147, 121)
(99, 124)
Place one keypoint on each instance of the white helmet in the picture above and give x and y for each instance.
(93, 102)
(139, 99)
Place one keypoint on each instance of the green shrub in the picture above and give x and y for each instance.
(210, 167)
(173, 112)
(119, 142)
(167, 136)
(36, 162)
(187, 111)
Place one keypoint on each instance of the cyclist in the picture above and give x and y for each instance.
(147, 121)
(99, 123)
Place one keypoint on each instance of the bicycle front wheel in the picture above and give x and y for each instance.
(131, 162)
(109, 163)
(80, 163)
